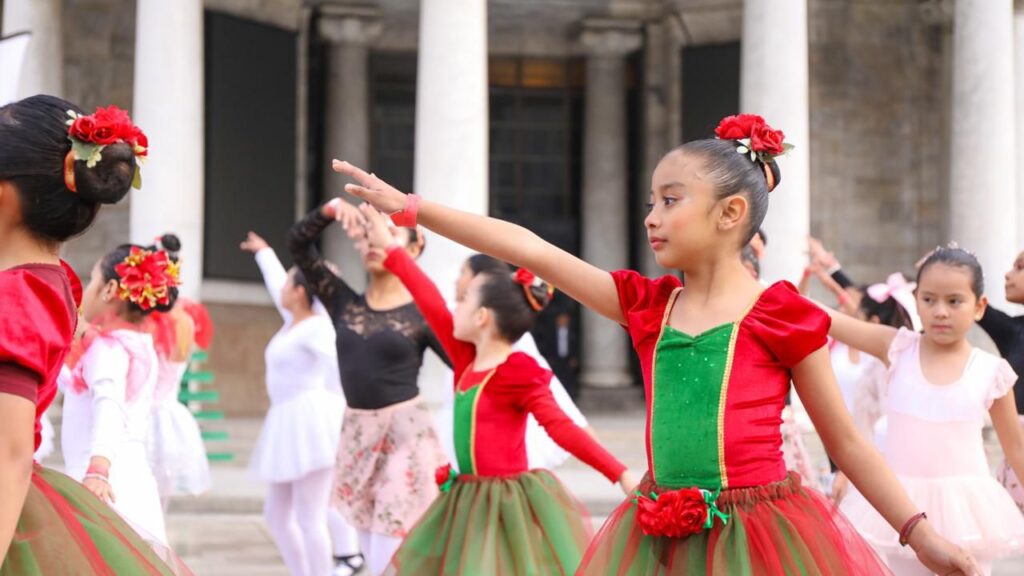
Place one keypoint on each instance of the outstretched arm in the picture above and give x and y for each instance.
(274, 275)
(874, 339)
(332, 291)
(865, 467)
(589, 285)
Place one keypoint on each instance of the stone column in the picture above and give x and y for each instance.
(169, 107)
(452, 120)
(606, 188)
(663, 110)
(983, 193)
(43, 69)
(774, 84)
(350, 31)
(452, 125)
(1018, 50)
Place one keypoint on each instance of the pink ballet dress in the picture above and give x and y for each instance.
(934, 445)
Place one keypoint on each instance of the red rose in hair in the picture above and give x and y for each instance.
(764, 138)
(674, 514)
(524, 277)
(738, 127)
(104, 134)
(139, 141)
(83, 127)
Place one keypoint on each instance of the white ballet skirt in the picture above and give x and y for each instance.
(934, 445)
(175, 446)
(45, 439)
(303, 425)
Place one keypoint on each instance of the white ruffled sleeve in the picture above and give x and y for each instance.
(1002, 383)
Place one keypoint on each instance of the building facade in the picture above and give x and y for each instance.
(551, 113)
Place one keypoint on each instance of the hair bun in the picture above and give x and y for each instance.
(110, 179)
(170, 242)
(542, 294)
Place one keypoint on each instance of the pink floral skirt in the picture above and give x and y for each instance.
(1010, 481)
(384, 474)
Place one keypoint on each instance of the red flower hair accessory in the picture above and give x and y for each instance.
(755, 138)
(678, 513)
(528, 280)
(147, 278)
(90, 134)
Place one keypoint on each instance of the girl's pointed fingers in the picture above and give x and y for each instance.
(354, 172)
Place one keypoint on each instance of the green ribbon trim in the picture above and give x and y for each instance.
(447, 485)
(713, 511)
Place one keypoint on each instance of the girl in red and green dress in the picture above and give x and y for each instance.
(52, 183)
(494, 515)
(718, 356)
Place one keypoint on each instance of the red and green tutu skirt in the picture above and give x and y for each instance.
(65, 530)
(523, 525)
(774, 529)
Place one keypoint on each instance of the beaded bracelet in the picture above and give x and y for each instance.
(909, 526)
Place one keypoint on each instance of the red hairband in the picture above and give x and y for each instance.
(528, 280)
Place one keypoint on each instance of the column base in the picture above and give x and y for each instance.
(606, 379)
(611, 400)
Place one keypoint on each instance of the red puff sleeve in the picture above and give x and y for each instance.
(36, 327)
(528, 386)
(643, 301)
(788, 324)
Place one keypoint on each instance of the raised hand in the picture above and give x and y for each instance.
(819, 255)
(253, 243)
(351, 219)
(378, 228)
(370, 188)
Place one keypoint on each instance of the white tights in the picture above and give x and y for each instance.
(902, 566)
(378, 550)
(344, 537)
(296, 513)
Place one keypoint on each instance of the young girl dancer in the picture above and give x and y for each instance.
(939, 390)
(541, 450)
(108, 403)
(177, 454)
(496, 516)
(1008, 334)
(717, 360)
(49, 523)
(299, 441)
(388, 449)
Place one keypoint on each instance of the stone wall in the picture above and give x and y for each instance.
(879, 122)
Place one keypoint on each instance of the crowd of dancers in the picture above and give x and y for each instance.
(359, 469)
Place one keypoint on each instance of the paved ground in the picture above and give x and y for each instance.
(223, 534)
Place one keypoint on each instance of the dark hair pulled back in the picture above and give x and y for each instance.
(514, 315)
(732, 173)
(956, 257)
(33, 144)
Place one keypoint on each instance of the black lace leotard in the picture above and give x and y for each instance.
(379, 351)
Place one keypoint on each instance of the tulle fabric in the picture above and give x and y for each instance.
(65, 530)
(527, 524)
(176, 451)
(973, 511)
(775, 529)
(299, 436)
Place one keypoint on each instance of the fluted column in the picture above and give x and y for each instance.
(43, 68)
(606, 188)
(168, 105)
(350, 31)
(774, 84)
(983, 192)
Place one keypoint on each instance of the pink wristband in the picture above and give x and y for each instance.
(406, 217)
